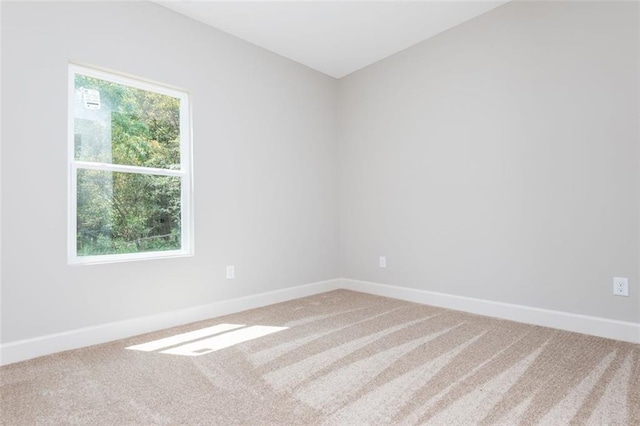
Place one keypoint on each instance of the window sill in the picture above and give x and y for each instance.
(129, 257)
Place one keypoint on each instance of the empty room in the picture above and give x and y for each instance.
(320, 212)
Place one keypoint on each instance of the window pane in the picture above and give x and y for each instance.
(119, 124)
(127, 213)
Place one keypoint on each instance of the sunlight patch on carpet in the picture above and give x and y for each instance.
(200, 342)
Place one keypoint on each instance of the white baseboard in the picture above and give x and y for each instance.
(44, 345)
(595, 326)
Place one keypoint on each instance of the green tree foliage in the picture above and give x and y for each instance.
(127, 212)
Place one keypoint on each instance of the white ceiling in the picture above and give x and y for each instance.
(333, 37)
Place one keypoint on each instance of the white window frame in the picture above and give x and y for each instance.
(185, 172)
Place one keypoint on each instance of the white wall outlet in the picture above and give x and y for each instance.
(231, 272)
(621, 286)
(383, 262)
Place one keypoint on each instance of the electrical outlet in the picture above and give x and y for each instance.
(231, 272)
(383, 262)
(621, 286)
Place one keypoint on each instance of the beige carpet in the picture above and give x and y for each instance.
(340, 358)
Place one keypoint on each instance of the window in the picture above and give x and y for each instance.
(129, 169)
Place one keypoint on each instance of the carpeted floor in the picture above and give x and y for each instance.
(339, 358)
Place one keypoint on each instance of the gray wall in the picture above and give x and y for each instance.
(499, 160)
(265, 166)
